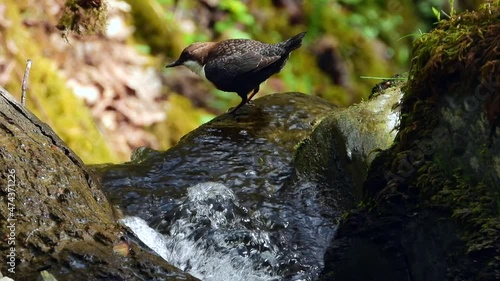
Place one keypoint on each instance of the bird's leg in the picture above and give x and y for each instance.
(253, 93)
(242, 103)
(245, 99)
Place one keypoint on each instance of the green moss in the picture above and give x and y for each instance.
(449, 64)
(456, 46)
(83, 17)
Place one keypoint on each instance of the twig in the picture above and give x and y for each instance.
(383, 78)
(25, 82)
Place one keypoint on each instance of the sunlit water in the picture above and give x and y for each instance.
(212, 237)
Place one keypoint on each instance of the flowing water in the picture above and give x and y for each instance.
(212, 237)
(226, 203)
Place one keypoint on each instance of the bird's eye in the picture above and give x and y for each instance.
(187, 55)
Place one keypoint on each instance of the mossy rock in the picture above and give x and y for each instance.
(432, 200)
(58, 221)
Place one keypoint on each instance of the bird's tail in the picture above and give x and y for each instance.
(295, 42)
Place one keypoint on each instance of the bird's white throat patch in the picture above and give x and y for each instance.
(196, 68)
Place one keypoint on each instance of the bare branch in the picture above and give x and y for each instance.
(25, 82)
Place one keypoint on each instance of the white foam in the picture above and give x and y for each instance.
(199, 258)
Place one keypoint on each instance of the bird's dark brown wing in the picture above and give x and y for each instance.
(238, 64)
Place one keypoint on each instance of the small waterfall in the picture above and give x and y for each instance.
(213, 237)
(209, 240)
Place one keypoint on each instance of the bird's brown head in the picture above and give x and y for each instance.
(196, 52)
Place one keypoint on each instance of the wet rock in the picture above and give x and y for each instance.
(227, 192)
(336, 156)
(57, 217)
(294, 163)
(251, 152)
(430, 206)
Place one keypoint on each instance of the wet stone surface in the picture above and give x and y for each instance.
(252, 153)
(229, 192)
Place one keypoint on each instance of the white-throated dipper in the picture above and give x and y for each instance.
(238, 65)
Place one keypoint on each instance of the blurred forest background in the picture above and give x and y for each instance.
(98, 76)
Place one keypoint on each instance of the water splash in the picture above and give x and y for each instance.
(208, 238)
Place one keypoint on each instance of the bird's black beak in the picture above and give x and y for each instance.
(175, 63)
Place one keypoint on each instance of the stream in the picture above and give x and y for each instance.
(254, 196)
(211, 236)
(226, 202)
